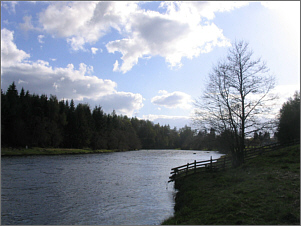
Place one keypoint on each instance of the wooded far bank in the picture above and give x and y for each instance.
(30, 120)
(40, 121)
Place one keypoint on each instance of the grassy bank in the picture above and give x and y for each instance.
(265, 190)
(49, 151)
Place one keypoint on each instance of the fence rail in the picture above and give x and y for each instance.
(223, 162)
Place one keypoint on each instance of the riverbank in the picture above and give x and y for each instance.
(49, 151)
(263, 191)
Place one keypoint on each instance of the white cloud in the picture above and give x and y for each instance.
(27, 25)
(68, 83)
(66, 19)
(21, 81)
(172, 38)
(176, 34)
(284, 92)
(40, 38)
(152, 117)
(162, 92)
(125, 103)
(94, 50)
(172, 100)
(77, 43)
(173, 121)
(83, 22)
(10, 54)
(10, 6)
(43, 79)
(116, 66)
(196, 10)
(179, 32)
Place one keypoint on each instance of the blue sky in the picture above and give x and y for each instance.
(143, 59)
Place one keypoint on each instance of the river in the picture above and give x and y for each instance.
(121, 188)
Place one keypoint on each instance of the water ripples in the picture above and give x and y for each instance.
(103, 189)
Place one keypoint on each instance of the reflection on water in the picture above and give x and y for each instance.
(102, 189)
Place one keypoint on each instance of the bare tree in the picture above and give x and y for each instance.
(237, 98)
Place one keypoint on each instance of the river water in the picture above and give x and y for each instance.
(121, 188)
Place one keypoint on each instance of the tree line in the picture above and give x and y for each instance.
(39, 121)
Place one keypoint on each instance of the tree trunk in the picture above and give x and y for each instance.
(237, 157)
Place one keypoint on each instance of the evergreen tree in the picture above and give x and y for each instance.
(84, 123)
(289, 120)
(11, 117)
(99, 134)
(69, 135)
(39, 121)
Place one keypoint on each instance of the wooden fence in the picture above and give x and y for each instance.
(222, 163)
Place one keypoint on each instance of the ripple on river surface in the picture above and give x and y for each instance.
(103, 189)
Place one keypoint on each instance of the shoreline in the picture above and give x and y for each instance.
(263, 191)
(51, 151)
(6, 152)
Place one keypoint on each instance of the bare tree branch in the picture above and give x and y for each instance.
(237, 96)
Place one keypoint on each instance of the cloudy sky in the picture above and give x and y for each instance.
(143, 59)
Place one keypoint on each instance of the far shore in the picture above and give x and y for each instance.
(9, 151)
(51, 151)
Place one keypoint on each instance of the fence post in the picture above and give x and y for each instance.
(211, 163)
(187, 169)
(194, 166)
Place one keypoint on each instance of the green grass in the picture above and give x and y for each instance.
(265, 190)
(48, 151)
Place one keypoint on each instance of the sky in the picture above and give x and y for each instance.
(148, 60)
